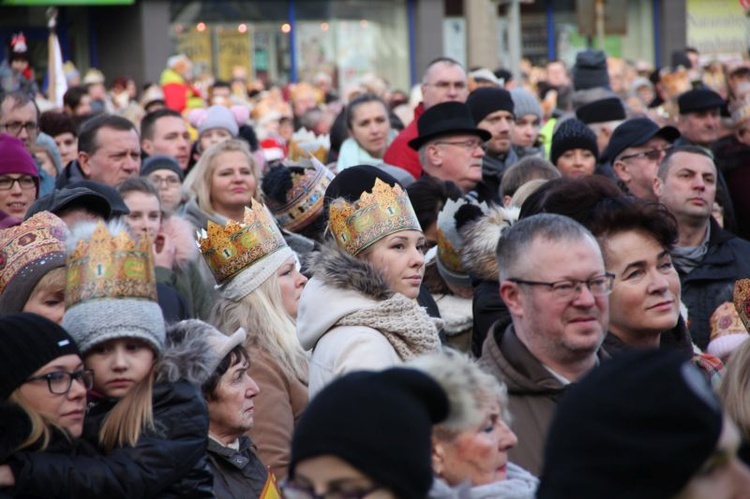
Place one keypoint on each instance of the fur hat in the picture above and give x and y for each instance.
(524, 103)
(619, 422)
(601, 111)
(378, 422)
(29, 342)
(203, 342)
(480, 236)
(572, 134)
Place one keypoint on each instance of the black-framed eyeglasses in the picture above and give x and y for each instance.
(651, 154)
(59, 382)
(25, 181)
(600, 285)
(15, 127)
(290, 490)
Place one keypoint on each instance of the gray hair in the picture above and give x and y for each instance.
(515, 241)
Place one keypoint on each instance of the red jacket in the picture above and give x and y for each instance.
(400, 154)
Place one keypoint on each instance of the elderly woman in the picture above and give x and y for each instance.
(475, 452)
(223, 183)
(359, 310)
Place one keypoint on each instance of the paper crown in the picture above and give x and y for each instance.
(106, 266)
(304, 201)
(230, 249)
(375, 215)
(304, 144)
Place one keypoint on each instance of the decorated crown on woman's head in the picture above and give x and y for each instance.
(375, 215)
(231, 248)
(304, 200)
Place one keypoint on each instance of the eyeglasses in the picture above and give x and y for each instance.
(59, 382)
(600, 285)
(447, 85)
(168, 181)
(25, 181)
(466, 144)
(16, 126)
(292, 491)
(652, 155)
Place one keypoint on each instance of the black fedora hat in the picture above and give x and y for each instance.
(448, 118)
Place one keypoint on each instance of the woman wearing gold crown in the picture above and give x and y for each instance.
(359, 310)
(259, 287)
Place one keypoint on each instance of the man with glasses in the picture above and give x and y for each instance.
(450, 146)
(553, 281)
(444, 81)
(19, 179)
(635, 149)
(19, 117)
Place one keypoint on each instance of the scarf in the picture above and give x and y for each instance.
(687, 258)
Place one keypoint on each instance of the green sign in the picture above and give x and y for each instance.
(67, 2)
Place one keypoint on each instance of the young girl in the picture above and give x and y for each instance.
(262, 296)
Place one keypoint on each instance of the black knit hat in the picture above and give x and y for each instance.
(634, 133)
(699, 99)
(640, 425)
(446, 118)
(161, 162)
(590, 70)
(487, 100)
(601, 111)
(378, 422)
(27, 343)
(572, 134)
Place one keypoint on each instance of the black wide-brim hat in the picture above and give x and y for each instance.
(447, 118)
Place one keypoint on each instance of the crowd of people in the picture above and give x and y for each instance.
(488, 289)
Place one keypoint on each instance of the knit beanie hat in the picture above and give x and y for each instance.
(29, 342)
(14, 158)
(27, 253)
(161, 162)
(487, 100)
(219, 117)
(640, 425)
(727, 331)
(111, 287)
(48, 144)
(590, 70)
(378, 422)
(524, 102)
(572, 134)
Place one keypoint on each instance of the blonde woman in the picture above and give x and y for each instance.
(222, 184)
(259, 289)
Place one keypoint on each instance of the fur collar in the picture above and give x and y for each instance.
(182, 233)
(340, 270)
(187, 354)
(480, 239)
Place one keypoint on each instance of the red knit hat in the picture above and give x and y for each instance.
(14, 158)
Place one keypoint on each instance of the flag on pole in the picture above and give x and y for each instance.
(55, 74)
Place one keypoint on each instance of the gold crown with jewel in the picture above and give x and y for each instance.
(304, 201)
(375, 215)
(231, 248)
(104, 266)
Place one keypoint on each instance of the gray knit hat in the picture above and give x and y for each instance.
(111, 288)
(524, 102)
(219, 117)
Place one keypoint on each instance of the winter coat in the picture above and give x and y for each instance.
(70, 175)
(712, 282)
(518, 484)
(168, 461)
(457, 321)
(400, 154)
(533, 393)
(278, 407)
(352, 321)
(238, 474)
(178, 94)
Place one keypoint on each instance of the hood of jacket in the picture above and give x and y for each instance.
(480, 238)
(187, 354)
(340, 285)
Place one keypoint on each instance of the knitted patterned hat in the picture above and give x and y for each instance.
(727, 331)
(27, 252)
(572, 134)
(29, 342)
(111, 287)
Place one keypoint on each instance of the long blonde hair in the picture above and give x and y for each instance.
(130, 416)
(269, 327)
(40, 424)
(199, 180)
(734, 389)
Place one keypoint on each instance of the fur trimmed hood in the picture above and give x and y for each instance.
(340, 270)
(187, 354)
(182, 233)
(480, 238)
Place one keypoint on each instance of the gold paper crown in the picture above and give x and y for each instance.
(375, 215)
(304, 201)
(107, 266)
(230, 249)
